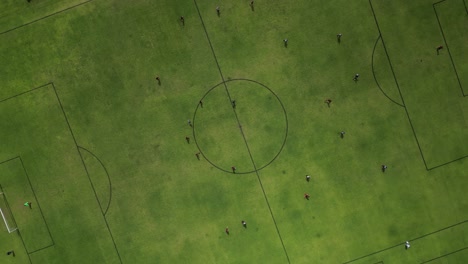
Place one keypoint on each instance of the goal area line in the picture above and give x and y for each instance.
(32, 227)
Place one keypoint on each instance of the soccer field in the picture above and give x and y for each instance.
(148, 131)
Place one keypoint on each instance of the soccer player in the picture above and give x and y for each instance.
(439, 48)
(407, 245)
(384, 168)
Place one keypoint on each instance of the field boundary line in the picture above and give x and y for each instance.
(402, 243)
(44, 17)
(445, 255)
(446, 44)
(403, 101)
(51, 84)
(12, 216)
(25, 92)
(242, 132)
(9, 209)
(38, 206)
(7, 160)
(86, 170)
(397, 84)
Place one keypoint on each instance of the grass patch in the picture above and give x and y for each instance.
(101, 59)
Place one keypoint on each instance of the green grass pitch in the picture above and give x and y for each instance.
(115, 173)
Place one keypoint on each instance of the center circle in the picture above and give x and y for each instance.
(240, 123)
